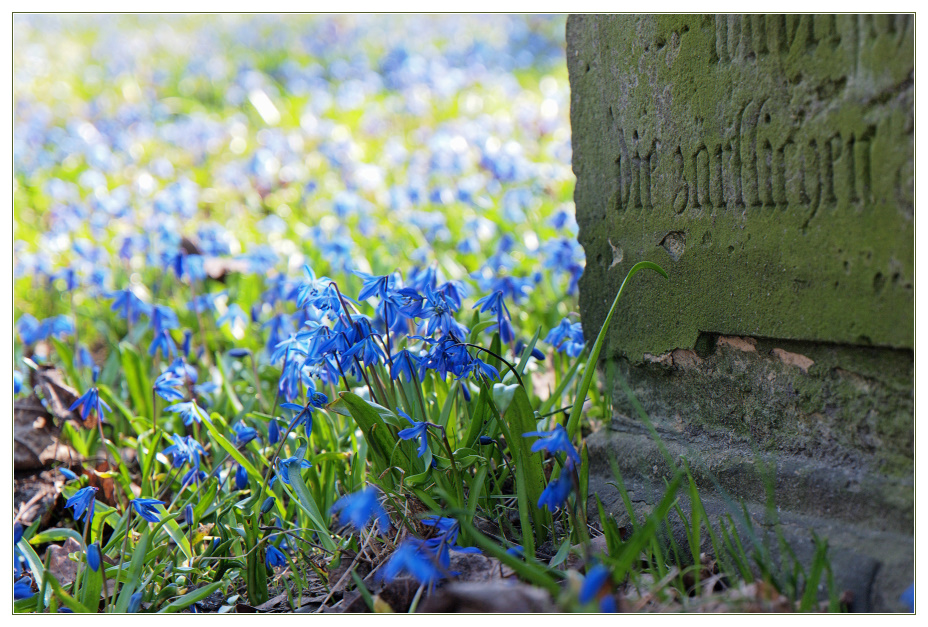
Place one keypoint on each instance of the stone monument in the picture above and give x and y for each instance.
(767, 163)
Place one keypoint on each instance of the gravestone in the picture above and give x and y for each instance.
(767, 163)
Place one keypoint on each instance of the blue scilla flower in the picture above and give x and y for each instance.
(93, 557)
(556, 492)
(566, 337)
(360, 508)
(417, 430)
(274, 557)
(414, 558)
(494, 303)
(68, 475)
(241, 478)
(273, 431)
(311, 288)
(593, 583)
(185, 450)
(17, 381)
(163, 318)
(167, 386)
(22, 589)
(164, 342)
(83, 502)
(373, 285)
(405, 363)
(146, 509)
(135, 603)
(189, 411)
(90, 403)
(304, 413)
(129, 306)
(243, 433)
(367, 349)
(233, 316)
(555, 441)
(283, 468)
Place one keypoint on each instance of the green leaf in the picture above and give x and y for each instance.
(590, 368)
(191, 597)
(173, 530)
(136, 379)
(55, 535)
(530, 478)
(134, 573)
(380, 440)
(308, 504)
(232, 450)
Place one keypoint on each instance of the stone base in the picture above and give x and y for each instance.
(875, 567)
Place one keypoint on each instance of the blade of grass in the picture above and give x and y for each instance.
(590, 369)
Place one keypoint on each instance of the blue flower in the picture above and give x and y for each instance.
(189, 411)
(557, 491)
(593, 583)
(17, 381)
(135, 603)
(164, 342)
(146, 509)
(83, 502)
(22, 589)
(359, 508)
(283, 468)
(93, 557)
(403, 362)
(414, 558)
(273, 432)
(554, 442)
(185, 450)
(908, 598)
(274, 557)
(166, 386)
(233, 315)
(68, 475)
(241, 477)
(243, 433)
(417, 430)
(128, 305)
(90, 404)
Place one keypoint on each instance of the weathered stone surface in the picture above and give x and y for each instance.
(767, 163)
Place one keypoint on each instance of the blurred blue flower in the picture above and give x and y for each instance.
(274, 557)
(185, 450)
(593, 583)
(908, 598)
(359, 508)
(411, 557)
(189, 411)
(556, 492)
(243, 433)
(135, 603)
(22, 589)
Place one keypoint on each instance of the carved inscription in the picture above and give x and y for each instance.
(768, 149)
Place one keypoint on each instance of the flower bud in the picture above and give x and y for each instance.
(93, 557)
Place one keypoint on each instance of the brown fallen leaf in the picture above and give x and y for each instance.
(35, 437)
(58, 395)
(60, 565)
(106, 486)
